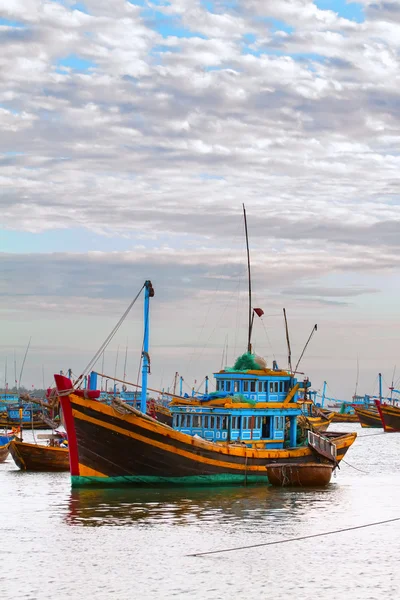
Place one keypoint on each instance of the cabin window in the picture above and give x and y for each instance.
(236, 387)
(186, 420)
(265, 386)
(252, 386)
(266, 427)
(218, 386)
(174, 421)
(224, 424)
(271, 387)
(245, 386)
(260, 386)
(258, 423)
(212, 422)
(227, 386)
(205, 422)
(196, 421)
(279, 422)
(235, 422)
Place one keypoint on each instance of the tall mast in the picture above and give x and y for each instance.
(249, 274)
(288, 341)
(148, 293)
(380, 386)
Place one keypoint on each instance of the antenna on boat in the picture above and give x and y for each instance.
(288, 341)
(314, 329)
(251, 316)
(15, 372)
(116, 362)
(126, 358)
(23, 363)
(358, 373)
(392, 386)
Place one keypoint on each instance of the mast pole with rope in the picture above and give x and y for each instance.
(288, 341)
(148, 293)
(249, 276)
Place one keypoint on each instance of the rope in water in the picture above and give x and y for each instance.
(353, 467)
(296, 539)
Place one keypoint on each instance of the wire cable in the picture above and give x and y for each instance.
(296, 539)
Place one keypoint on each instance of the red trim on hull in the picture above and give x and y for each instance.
(387, 428)
(63, 384)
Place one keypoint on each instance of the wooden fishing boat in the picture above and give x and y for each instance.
(344, 418)
(126, 447)
(226, 437)
(315, 423)
(4, 451)
(36, 457)
(311, 474)
(389, 416)
(368, 417)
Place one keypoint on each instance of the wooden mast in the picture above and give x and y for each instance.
(249, 275)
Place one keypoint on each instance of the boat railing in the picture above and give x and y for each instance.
(322, 446)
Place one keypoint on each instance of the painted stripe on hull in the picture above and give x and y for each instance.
(152, 481)
(369, 418)
(390, 417)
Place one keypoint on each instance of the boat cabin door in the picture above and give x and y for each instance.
(266, 428)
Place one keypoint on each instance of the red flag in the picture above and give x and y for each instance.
(259, 312)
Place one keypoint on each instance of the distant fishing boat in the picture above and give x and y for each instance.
(389, 415)
(4, 451)
(37, 457)
(368, 417)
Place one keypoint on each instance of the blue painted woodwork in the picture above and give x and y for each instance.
(148, 293)
(251, 421)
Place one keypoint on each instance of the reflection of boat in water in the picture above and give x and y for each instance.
(97, 507)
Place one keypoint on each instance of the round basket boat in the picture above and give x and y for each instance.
(300, 474)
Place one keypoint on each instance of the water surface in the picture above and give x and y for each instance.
(126, 543)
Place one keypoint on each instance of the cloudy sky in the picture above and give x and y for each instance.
(131, 134)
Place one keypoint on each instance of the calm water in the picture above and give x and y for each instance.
(126, 544)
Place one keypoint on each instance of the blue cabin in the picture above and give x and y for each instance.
(256, 406)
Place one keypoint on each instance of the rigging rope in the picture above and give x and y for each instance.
(106, 341)
(296, 539)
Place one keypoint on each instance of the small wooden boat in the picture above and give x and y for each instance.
(339, 417)
(389, 416)
(315, 423)
(36, 457)
(4, 451)
(311, 474)
(368, 417)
